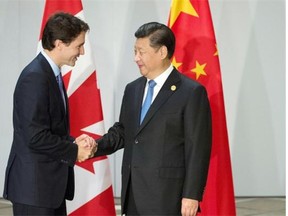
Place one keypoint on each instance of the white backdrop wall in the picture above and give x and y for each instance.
(251, 42)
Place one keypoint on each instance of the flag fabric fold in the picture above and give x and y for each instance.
(93, 186)
(196, 56)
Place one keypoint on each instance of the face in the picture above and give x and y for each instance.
(71, 52)
(147, 58)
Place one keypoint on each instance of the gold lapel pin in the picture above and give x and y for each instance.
(173, 87)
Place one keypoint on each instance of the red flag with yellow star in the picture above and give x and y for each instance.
(93, 185)
(196, 56)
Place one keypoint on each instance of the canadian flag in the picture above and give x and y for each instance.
(93, 186)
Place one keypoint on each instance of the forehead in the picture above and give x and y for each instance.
(142, 43)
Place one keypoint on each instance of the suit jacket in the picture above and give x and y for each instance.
(166, 158)
(40, 165)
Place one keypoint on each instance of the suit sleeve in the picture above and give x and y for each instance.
(111, 141)
(115, 138)
(198, 139)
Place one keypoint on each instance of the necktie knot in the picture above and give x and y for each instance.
(152, 84)
(148, 99)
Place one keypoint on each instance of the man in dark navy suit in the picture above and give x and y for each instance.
(39, 174)
(167, 145)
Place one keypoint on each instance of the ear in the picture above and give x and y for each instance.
(163, 52)
(58, 44)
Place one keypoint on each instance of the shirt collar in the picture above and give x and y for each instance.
(160, 80)
(54, 67)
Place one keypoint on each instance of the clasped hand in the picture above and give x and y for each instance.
(86, 147)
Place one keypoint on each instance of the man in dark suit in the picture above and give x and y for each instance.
(39, 174)
(167, 151)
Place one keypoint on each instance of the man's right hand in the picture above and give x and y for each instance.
(86, 147)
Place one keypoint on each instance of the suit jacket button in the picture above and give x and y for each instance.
(136, 141)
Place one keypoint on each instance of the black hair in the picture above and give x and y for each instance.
(159, 35)
(62, 26)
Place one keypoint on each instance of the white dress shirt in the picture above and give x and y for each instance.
(160, 80)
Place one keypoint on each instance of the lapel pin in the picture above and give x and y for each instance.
(173, 87)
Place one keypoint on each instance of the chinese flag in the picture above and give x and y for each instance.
(196, 56)
(93, 186)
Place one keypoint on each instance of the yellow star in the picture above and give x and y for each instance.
(216, 53)
(199, 70)
(178, 6)
(175, 63)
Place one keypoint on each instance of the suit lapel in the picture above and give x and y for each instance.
(139, 92)
(168, 89)
(48, 70)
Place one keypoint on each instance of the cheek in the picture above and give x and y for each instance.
(148, 60)
(75, 52)
(72, 55)
(153, 62)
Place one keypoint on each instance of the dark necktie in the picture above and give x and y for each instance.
(148, 99)
(60, 84)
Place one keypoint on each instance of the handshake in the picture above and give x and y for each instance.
(86, 147)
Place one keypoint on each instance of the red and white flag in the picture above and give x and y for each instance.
(93, 186)
(196, 56)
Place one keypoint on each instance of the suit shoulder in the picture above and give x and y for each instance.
(188, 82)
(32, 66)
(32, 75)
(135, 82)
(35, 67)
(37, 63)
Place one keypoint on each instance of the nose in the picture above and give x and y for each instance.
(82, 51)
(136, 57)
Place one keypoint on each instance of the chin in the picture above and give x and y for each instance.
(143, 73)
(72, 64)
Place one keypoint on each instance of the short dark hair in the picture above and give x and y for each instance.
(159, 35)
(62, 26)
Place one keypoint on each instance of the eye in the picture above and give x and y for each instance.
(139, 52)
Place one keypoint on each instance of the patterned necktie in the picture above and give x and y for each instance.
(148, 99)
(60, 84)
